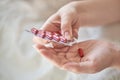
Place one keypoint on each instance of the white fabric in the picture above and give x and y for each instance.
(18, 60)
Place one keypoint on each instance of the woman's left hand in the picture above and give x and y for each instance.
(98, 55)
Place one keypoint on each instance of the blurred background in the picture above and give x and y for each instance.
(18, 59)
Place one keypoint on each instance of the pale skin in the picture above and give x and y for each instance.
(99, 54)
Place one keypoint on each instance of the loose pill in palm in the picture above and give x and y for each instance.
(80, 52)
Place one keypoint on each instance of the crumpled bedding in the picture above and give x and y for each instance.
(18, 59)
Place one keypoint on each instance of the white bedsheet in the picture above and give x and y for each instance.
(18, 60)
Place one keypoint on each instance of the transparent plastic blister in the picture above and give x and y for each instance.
(53, 36)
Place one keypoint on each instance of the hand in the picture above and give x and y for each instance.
(59, 55)
(65, 20)
(70, 17)
(98, 55)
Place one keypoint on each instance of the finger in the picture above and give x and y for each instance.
(75, 33)
(75, 29)
(66, 27)
(57, 45)
(86, 43)
(52, 24)
(82, 67)
(41, 41)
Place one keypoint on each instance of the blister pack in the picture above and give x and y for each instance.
(55, 36)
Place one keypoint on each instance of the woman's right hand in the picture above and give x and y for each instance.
(65, 20)
(70, 17)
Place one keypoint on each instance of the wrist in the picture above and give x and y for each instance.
(116, 59)
(81, 10)
(97, 12)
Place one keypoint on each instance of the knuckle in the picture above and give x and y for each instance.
(65, 29)
(65, 24)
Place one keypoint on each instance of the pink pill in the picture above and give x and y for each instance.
(63, 40)
(34, 31)
(49, 35)
(80, 52)
(41, 33)
(57, 33)
(56, 38)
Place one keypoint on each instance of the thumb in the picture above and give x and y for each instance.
(82, 67)
(66, 27)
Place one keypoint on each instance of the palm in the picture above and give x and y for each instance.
(62, 55)
(95, 53)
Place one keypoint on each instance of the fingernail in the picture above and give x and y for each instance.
(67, 35)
